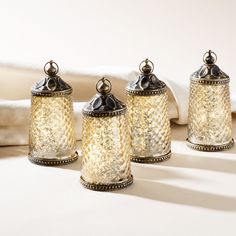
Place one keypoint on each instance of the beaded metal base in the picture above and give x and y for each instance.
(151, 159)
(53, 162)
(210, 148)
(107, 187)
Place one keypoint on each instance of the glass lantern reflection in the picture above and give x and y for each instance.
(209, 118)
(52, 136)
(105, 143)
(149, 123)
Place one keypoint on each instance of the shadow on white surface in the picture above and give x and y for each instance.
(178, 195)
(153, 172)
(77, 165)
(147, 183)
(201, 162)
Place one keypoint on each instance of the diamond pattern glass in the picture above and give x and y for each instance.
(149, 125)
(52, 134)
(105, 148)
(210, 121)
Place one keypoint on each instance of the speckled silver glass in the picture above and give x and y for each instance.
(209, 117)
(52, 135)
(149, 123)
(105, 142)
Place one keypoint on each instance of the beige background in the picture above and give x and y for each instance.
(78, 34)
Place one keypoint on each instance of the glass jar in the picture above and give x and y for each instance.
(105, 143)
(52, 135)
(209, 117)
(149, 124)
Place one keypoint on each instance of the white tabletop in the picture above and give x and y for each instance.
(191, 194)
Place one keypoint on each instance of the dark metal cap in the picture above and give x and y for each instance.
(210, 73)
(104, 103)
(147, 83)
(52, 85)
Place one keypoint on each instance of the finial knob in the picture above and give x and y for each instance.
(209, 57)
(104, 86)
(52, 70)
(146, 68)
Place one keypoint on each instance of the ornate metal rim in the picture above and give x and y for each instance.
(210, 148)
(51, 94)
(107, 187)
(52, 162)
(146, 92)
(210, 81)
(155, 159)
(104, 114)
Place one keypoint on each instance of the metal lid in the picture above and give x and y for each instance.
(52, 84)
(147, 83)
(104, 103)
(209, 73)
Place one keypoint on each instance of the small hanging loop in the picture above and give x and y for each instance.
(209, 57)
(52, 70)
(147, 68)
(104, 86)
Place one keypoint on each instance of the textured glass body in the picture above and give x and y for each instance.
(149, 125)
(105, 148)
(210, 121)
(52, 133)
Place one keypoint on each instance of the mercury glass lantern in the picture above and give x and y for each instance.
(209, 117)
(149, 122)
(105, 142)
(52, 135)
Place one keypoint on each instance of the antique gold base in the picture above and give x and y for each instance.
(155, 159)
(53, 162)
(107, 187)
(210, 148)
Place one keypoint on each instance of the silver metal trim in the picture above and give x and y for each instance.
(155, 159)
(52, 162)
(107, 187)
(210, 148)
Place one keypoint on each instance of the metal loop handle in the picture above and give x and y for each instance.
(104, 87)
(51, 66)
(209, 54)
(147, 62)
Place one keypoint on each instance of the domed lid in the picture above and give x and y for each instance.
(104, 103)
(52, 84)
(147, 83)
(210, 73)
